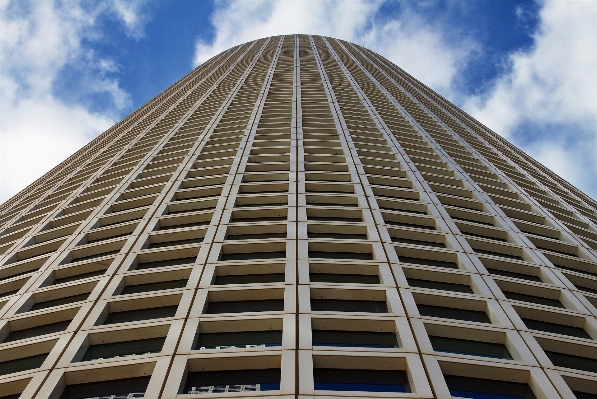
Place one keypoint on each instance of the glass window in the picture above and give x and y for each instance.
(127, 348)
(453, 313)
(427, 262)
(249, 279)
(232, 381)
(344, 278)
(505, 273)
(464, 387)
(269, 305)
(360, 380)
(22, 364)
(572, 362)
(253, 255)
(533, 299)
(436, 285)
(36, 331)
(556, 328)
(163, 263)
(467, 347)
(59, 301)
(120, 389)
(354, 339)
(335, 305)
(241, 339)
(340, 255)
(160, 285)
(141, 314)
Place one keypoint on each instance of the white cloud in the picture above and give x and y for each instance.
(408, 41)
(39, 39)
(551, 88)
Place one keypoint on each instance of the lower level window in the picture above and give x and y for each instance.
(477, 388)
(360, 380)
(120, 389)
(239, 339)
(467, 347)
(233, 381)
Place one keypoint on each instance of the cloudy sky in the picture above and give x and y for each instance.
(70, 69)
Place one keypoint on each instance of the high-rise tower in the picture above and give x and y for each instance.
(298, 217)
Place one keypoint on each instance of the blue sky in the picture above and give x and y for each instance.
(70, 69)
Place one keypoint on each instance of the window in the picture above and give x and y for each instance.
(453, 313)
(22, 364)
(354, 339)
(249, 279)
(341, 255)
(79, 277)
(436, 285)
(344, 278)
(160, 285)
(427, 262)
(127, 388)
(360, 380)
(59, 301)
(532, 299)
(270, 305)
(505, 273)
(418, 242)
(162, 263)
(252, 255)
(466, 347)
(140, 314)
(556, 328)
(240, 339)
(335, 305)
(127, 348)
(36, 331)
(232, 381)
(464, 387)
(572, 362)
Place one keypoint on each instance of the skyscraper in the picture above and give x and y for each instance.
(298, 217)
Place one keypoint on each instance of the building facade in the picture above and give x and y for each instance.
(298, 217)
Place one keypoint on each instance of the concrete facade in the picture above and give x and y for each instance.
(298, 217)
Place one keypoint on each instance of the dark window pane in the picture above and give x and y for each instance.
(36, 331)
(335, 305)
(360, 380)
(119, 389)
(160, 285)
(59, 301)
(533, 299)
(22, 364)
(253, 255)
(465, 387)
(172, 243)
(513, 274)
(249, 279)
(255, 236)
(242, 339)
(453, 313)
(572, 362)
(79, 277)
(232, 381)
(466, 347)
(94, 256)
(556, 328)
(344, 278)
(584, 395)
(418, 242)
(436, 285)
(127, 348)
(162, 263)
(354, 339)
(427, 262)
(417, 226)
(483, 251)
(338, 236)
(334, 219)
(340, 255)
(261, 219)
(141, 314)
(270, 305)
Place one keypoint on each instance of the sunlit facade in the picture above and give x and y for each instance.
(298, 217)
